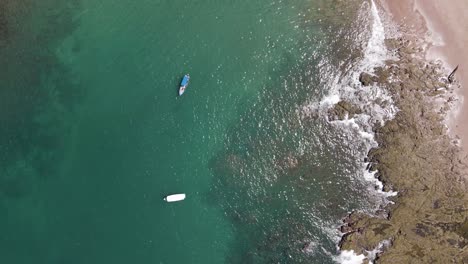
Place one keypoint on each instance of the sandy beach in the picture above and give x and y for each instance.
(445, 27)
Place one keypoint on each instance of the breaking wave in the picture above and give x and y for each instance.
(289, 173)
(376, 103)
(369, 98)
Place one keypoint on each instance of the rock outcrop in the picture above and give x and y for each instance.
(366, 79)
(343, 109)
(428, 223)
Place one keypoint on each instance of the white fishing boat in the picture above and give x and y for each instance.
(174, 197)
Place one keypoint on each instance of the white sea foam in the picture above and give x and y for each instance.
(349, 257)
(370, 177)
(372, 255)
(375, 53)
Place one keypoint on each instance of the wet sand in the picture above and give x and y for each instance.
(445, 27)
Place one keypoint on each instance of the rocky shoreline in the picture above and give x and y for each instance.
(428, 220)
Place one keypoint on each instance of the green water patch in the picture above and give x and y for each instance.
(95, 137)
(38, 98)
(135, 141)
(39, 92)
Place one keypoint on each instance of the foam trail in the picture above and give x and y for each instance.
(375, 53)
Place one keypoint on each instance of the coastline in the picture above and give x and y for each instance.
(417, 157)
(443, 26)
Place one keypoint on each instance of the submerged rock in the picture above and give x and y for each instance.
(366, 79)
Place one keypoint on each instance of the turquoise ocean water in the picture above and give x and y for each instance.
(93, 135)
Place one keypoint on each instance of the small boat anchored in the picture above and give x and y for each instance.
(175, 197)
(183, 84)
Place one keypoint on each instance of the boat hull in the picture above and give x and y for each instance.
(183, 84)
(182, 90)
(174, 197)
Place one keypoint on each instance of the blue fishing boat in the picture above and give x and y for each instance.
(183, 84)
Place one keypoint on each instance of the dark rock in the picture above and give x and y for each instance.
(342, 110)
(452, 242)
(346, 229)
(462, 229)
(382, 75)
(366, 79)
(4, 32)
(422, 230)
(380, 229)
